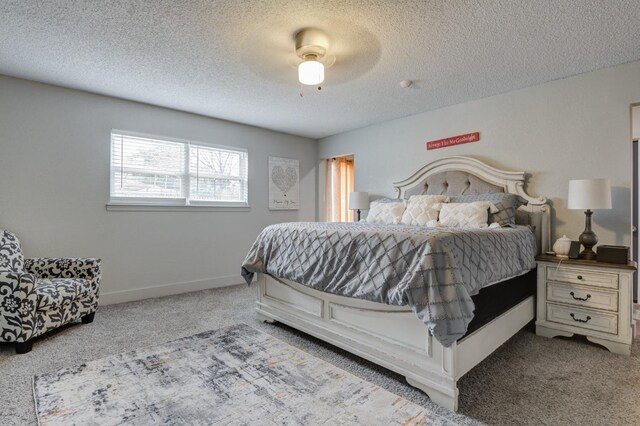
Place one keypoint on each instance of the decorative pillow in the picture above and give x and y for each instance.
(11, 257)
(422, 209)
(507, 204)
(466, 215)
(435, 224)
(386, 211)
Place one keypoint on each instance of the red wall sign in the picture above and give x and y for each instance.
(455, 140)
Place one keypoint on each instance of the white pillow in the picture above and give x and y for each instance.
(422, 209)
(467, 215)
(386, 212)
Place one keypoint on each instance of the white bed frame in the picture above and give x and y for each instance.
(392, 336)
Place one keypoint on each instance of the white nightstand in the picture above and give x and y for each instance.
(585, 297)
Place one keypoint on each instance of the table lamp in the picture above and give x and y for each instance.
(359, 201)
(588, 195)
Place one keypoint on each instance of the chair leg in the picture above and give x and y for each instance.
(88, 319)
(24, 347)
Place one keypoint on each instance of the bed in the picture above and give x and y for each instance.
(394, 336)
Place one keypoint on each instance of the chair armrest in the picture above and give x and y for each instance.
(74, 267)
(18, 302)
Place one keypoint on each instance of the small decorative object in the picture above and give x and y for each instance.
(562, 246)
(588, 195)
(359, 201)
(574, 250)
(455, 140)
(614, 254)
(284, 184)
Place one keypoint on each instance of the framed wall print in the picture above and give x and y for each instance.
(284, 184)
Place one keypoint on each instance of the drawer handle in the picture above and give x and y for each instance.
(580, 298)
(578, 319)
(580, 277)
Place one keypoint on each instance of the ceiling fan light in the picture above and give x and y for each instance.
(311, 73)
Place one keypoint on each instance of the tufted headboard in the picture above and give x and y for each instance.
(465, 175)
(452, 182)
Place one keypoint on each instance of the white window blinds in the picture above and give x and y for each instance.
(148, 170)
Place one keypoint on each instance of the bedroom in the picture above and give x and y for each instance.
(548, 86)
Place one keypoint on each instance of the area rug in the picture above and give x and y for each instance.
(232, 376)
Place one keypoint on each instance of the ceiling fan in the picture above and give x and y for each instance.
(311, 48)
(277, 51)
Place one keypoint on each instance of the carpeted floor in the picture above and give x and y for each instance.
(529, 380)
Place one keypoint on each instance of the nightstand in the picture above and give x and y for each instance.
(586, 297)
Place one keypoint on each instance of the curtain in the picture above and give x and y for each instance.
(339, 183)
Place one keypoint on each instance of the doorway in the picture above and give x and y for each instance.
(338, 186)
(635, 132)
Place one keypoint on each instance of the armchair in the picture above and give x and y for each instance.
(39, 295)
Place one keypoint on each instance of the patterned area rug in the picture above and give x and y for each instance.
(233, 376)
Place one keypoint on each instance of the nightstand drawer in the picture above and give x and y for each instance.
(583, 318)
(588, 297)
(582, 277)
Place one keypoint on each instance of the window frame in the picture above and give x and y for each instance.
(117, 203)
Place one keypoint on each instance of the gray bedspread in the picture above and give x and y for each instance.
(435, 271)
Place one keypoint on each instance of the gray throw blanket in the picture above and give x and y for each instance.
(435, 271)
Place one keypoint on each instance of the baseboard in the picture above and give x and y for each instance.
(111, 298)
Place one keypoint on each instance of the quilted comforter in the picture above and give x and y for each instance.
(435, 271)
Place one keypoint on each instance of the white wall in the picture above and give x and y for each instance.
(54, 184)
(636, 122)
(578, 127)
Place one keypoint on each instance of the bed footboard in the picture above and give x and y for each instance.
(390, 336)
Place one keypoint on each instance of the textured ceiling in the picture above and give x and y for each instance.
(233, 59)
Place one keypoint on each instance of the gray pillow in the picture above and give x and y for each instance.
(507, 205)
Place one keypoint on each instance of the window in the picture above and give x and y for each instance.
(167, 172)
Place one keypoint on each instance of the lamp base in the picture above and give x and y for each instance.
(588, 239)
(587, 254)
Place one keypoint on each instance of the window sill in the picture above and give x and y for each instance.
(117, 207)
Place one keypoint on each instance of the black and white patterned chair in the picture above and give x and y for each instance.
(38, 295)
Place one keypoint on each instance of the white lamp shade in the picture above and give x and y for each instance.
(311, 73)
(359, 201)
(589, 194)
